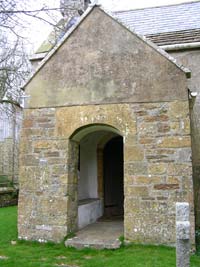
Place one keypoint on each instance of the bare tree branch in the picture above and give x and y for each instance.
(14, 64)
(12, 102)
(33, 11)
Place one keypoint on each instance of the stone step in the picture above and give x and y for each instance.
(99, 235)
(78, 243)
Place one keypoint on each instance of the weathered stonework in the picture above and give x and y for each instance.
(191, 59)
(9, 159)
(96, 71)
(8, 196)
(119, 82)
(157, 172)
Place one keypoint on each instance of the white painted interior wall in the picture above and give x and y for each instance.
(91, 210)
(87, 181)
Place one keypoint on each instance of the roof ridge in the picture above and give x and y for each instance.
(154, 7)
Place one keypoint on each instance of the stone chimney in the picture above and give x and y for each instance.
(73, 8)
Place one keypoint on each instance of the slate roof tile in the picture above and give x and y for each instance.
(163, 19)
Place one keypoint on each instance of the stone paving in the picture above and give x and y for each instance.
(99, 235)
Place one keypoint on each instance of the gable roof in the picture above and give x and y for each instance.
(177, 37)
(154, 20)
(172, 27)
(87, 12)
(165, 25)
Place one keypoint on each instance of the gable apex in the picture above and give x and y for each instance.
(60, 43)
(116, 19)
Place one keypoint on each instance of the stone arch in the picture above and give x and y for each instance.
(101, 134)
(79, 133)
(72, 120)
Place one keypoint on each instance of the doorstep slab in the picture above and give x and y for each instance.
(99, 235)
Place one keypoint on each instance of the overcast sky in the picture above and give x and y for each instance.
(38, 31)
(132, 4)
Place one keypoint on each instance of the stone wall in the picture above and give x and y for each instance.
(159, 172)
(157, 168)
(10, 123)
(8, 196)
(6, 157)
(191, 59)
(118, 80)
(9, 159)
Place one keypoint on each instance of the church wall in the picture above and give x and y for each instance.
(157, 168)
(191, 59)
(87, 184)
(104, 74)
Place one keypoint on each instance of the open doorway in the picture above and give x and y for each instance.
(113, 178)
(99, 174)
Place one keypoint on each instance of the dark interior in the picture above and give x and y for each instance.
(113, 178)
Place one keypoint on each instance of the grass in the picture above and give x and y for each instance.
(33, 254)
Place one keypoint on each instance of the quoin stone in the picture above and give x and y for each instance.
(182, 234)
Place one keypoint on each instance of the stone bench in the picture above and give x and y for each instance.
(89, 210)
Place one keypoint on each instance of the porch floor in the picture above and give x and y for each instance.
(101, 234)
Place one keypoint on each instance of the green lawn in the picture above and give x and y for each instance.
(32, 254)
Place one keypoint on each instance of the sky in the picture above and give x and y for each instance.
(132, 4)
(38, 31)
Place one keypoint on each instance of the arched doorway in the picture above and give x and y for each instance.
(99, 171)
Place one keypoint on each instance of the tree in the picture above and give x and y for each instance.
(14, 68)
(14, 65)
